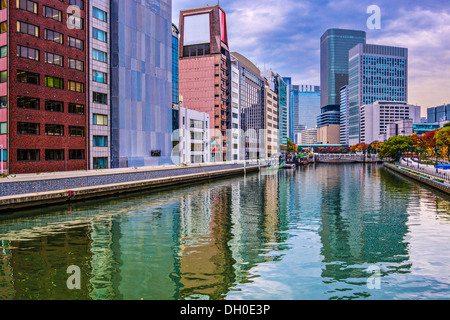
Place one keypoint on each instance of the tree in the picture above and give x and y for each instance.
(291, 147)
(443, 140)
(360, 147)
(395, 146)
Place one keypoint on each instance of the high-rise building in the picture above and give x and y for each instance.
(252, 107)
(44, 114)
(377, 73)
(334, 73)
(376, 118)
(235, 142)
(175, 95)
(344, 116)
(305, 107)
(271, 125)
(99, 86)
(289, 108)
(141, 83)
(278, 86)
(204, 69)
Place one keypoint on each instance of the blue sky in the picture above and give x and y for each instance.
(284, 36)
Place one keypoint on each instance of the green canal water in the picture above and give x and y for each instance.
(321, 232)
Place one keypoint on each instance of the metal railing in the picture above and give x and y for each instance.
(425, 169)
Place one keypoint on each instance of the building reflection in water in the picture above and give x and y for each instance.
(362, 225)
(194, 243)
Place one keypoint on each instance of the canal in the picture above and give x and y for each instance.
(321, 232)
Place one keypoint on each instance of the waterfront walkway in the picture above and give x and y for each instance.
(19, 191)
(425, 169)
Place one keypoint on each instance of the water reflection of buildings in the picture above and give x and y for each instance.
(363, 224)
(187, 244)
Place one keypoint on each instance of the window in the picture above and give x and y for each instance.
(76, 155)
(27, 103)
(3, 51)
(3, 102)
(3, 76)
(100, 163)
(76, 43)
(54, 106)
(78, 3)
(99, 55)
(76, 64)
(28, 53)
(54, 155)
(100, 120)
(99, 35)
(76, 131)
(54, 130)
(4, 155)
(53, 82)
(3, 27)
(3, 128)
(99, 14)
(28, 128)
(52, 13)
(3, 4)
(99, 76)
(28, 155)
(76, 86)
(101, 98)
(100, 141)
(27, 28)
(27, 77)
(76, 108)
(55, 59)
(27, 5)
(53, 36)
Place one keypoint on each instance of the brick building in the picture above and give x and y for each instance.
(43, 63)
(205, 70)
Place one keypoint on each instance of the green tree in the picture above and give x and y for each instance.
(291, 147)
(395, 146)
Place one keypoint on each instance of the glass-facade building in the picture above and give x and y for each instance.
(305, 107)
(334, 49)
(438, 114)
(377, 73)
(344, 116)
(330, 115)
(141, 83)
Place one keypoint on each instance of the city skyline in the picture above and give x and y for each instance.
(292, 37)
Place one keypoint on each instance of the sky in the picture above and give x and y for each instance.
(284, 36)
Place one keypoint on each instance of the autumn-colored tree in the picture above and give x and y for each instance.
(291, 147)
(443, 141)
(375, 146)
(360, 147)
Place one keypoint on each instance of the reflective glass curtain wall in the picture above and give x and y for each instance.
(141, 81)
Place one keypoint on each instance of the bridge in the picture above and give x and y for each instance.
(346, 158)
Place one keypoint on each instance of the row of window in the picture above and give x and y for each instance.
(51, 82)
(50, 105)
(50, 155)
(28, 128)
(56, 155)
(50, 58)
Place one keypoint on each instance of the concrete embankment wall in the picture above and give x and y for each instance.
(28, 191)
(428, 181)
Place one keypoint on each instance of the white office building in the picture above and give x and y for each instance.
(194, 133)
(376, 118)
